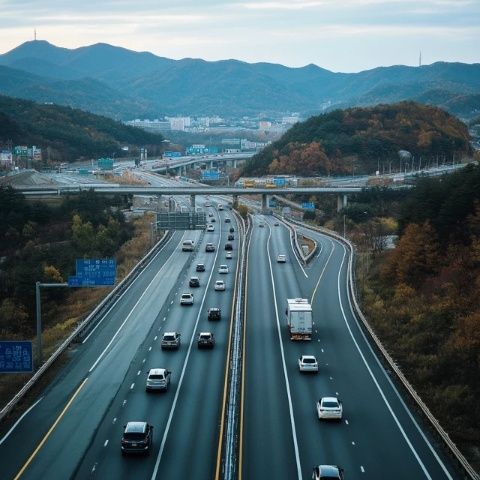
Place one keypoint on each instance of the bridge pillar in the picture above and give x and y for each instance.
(211, 164)
(184, 170)
(192, 201)
(264, 202)
(235, 163)
(341, 201)
(235, 201)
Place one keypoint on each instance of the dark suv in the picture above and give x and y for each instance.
(231, 237)
(194, 282)
(137, 438)
(228, 246)
(214, 313)
(231, 230)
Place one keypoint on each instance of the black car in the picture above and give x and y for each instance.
(213, 220)
(227, 220)
(206, 340)
(232, 229)
(228, 246)
(194, 282)
(230, 238)
(214, 313)
(137, 438)
(200, 267)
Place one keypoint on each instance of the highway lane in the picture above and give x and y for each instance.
(191, 405)
(268, 449)
(82, 426)
(378, 438)
(22, 440)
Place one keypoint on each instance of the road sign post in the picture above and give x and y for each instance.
(98, 272)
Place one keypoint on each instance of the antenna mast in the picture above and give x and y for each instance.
(35, 34)
(420, 59)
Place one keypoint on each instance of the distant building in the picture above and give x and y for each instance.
(153, 126)
(264, 125)
(290, 120)
(179, 123)
(6, 158)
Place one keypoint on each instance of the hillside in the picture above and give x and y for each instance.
(422, 299)
(68, 134)
(361, 140)
(125, 84)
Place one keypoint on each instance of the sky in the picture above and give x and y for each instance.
(340, 35)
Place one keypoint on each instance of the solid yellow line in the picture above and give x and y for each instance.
(52, 428)
(224, 402)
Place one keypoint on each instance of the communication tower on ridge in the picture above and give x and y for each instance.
(420, 59)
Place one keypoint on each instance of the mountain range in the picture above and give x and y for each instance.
(125, 84)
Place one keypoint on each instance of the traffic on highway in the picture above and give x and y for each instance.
(145, 395)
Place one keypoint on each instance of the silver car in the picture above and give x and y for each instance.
(158, 379)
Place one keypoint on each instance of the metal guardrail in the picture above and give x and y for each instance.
(81, 328)
(461, 460)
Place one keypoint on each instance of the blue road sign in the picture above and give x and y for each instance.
(92, 272)
(16, 357)
(308, 206)
(279, 181)
(210, 175)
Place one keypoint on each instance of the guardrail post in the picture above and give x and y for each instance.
(39, 323)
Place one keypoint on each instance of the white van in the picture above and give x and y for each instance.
(188, 246)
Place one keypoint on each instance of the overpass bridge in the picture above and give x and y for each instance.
(192, 191)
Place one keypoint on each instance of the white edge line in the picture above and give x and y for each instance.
(321, 275)
(180, 382)
(20, 419)
(290, 406)
(402, 431)
(121, 296)
(296, 256)
(130, 313)
(394, 388)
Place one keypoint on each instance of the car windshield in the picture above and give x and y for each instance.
(156, 376)
(309, 360)
(185, 295)
(330, 404)
(134, 436)
(169, 337)
(204, 337)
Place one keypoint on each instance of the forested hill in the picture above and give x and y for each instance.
(360, 139)
(68, 134)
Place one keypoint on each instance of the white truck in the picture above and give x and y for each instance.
(299, 318)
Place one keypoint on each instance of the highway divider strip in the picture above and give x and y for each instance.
(293, 232)
(461, 460)
(89, 322)
(227, 455)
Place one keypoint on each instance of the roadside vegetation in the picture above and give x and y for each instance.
(41, 243)
(66, 134)
(423, 297)
(364, 140)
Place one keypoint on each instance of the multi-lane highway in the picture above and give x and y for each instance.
(282, 437)
(75, 428)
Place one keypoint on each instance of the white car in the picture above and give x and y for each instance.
(210, 228)
(281, 258)
(158, 379)
(186, 299)
(220, 285)
(229, 255)
(307, 363)
(223, 269)
(327, 472)
(329, 408)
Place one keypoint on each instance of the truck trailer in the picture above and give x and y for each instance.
(299, 319)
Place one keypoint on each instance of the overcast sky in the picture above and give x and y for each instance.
(340, 35)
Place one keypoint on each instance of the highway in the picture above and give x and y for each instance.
(75, 426)
(75, 430)
(282, 437)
